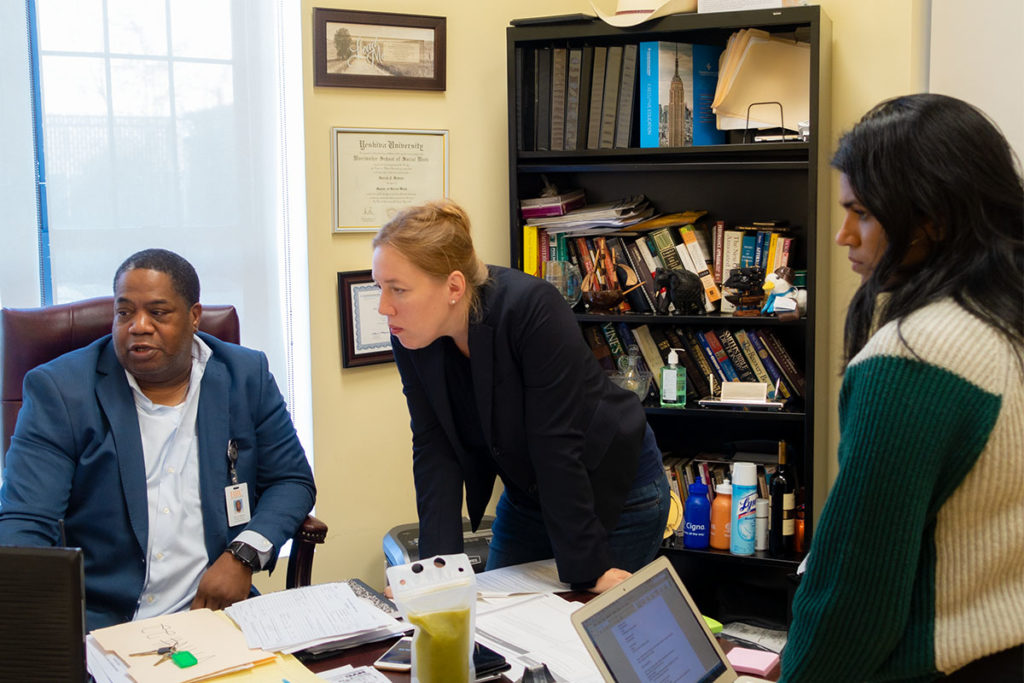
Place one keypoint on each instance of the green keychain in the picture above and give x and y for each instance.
(183, 659)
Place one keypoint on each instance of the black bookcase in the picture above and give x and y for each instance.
(737, 183)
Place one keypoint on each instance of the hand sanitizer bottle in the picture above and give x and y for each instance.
(673, 383)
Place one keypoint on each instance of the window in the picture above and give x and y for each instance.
(166, 123)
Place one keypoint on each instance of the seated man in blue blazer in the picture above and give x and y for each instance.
(168, 455)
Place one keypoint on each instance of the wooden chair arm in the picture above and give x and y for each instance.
(300, 562)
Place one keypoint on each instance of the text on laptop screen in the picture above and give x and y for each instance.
(654, 637)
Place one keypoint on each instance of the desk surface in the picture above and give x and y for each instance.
(366, 655)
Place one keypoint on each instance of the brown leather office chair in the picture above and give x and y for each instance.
(33, 336)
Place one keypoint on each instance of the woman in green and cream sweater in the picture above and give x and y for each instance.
(916, 569)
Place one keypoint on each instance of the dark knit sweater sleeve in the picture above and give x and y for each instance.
(909, 433)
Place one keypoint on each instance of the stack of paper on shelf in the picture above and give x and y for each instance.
(617, 214)
(757, 67)
(212, 639)
(552, 205)
(323, 617)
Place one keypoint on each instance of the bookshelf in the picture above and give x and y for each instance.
(737, 182)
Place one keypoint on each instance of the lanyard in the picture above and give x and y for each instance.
(232, 459)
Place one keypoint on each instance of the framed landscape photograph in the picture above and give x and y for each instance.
(365, 339)
(353, 49)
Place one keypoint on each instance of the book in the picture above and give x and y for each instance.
(554, 205)
(715, 345)
(637, 299)
(700, 258)
(572, 98)
(753, 360)
(732, 244)
(559, 74)
(643, 270)
(649, 351)
(665, 245)
(599, 346)
(688, 263)
(785, 362)
(586, 81)
(696, 352)
(531, 258)
(596, 97)
(614, 343)
(736, 357)
(526, 76)
(717, 238)
(543, 111)
(609, 105)
(769, 365)
(624, 116)
(706, 351)
(677, 87)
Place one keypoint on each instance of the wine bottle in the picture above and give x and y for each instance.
(781, 522)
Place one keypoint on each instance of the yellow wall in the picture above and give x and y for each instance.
(361, 438)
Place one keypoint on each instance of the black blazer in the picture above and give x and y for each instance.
(558, 430)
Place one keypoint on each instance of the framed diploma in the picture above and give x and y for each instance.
(376, 172)
(365, 338)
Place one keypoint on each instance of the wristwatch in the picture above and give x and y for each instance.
(245, 554)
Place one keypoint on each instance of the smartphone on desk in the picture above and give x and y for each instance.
(488, 663)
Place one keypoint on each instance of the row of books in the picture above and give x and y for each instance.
(679, 240)
(710, 471)
(651, 94)
(722, 354)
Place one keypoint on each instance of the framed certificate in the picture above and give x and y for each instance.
(365, 339)
(377, 172)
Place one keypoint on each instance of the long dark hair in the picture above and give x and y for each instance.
(934, 168)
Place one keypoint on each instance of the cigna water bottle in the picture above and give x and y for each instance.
(697, 517)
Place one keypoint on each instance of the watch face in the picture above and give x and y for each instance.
(246, 554)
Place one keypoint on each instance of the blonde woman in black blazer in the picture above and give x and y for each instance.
(500, 383)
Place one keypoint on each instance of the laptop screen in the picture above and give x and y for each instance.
(653, 636)
(42, 614)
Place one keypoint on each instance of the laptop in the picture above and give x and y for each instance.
(42, 614)
(648, 630)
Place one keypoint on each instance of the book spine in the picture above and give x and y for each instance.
(787, 245)
(614, 343)
(530, 250)
(666, 248)
(748, 248)
(586, 81)
(585, 258)
(609, 107)
(773, 245)
(620, 256)
(559, 71)
(717, 246)
(759, 254)
(572, 98)
(769, 365)
(649, 350)
(624, 118)
(599, 346)
(736, 357)
(636, 261)
(709, 354)
(596, 97)
(732, 243)
(543, 98)
(696, 352)
(699, 258)
(705, 81)
(728, 370)
(648, 94)
(785, 362)
(520, 95)
(752, 358)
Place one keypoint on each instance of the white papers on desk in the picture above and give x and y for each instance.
(351, 674)
(758, 67)
(533, 577)
(313, 615)
(536, 629)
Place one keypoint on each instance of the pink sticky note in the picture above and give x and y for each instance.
(748, 661)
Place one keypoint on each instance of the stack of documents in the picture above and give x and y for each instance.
(211, 638)
(616, 215)
(319, 618)
(758, 67)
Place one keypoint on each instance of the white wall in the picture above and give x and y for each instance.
(977, 54)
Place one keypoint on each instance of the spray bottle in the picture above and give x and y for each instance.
(744, 510)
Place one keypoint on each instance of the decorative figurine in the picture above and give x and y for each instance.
(782, 298)
(680, 287)
(745, 285)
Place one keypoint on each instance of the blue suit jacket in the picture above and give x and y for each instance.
(76, 455)
(558, 430)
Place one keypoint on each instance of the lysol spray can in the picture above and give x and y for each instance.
(744, 508)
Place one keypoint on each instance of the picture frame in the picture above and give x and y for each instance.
(365, 338)
(356, 49)
(376, 172)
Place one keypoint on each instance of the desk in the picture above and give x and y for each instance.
(366, 655)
